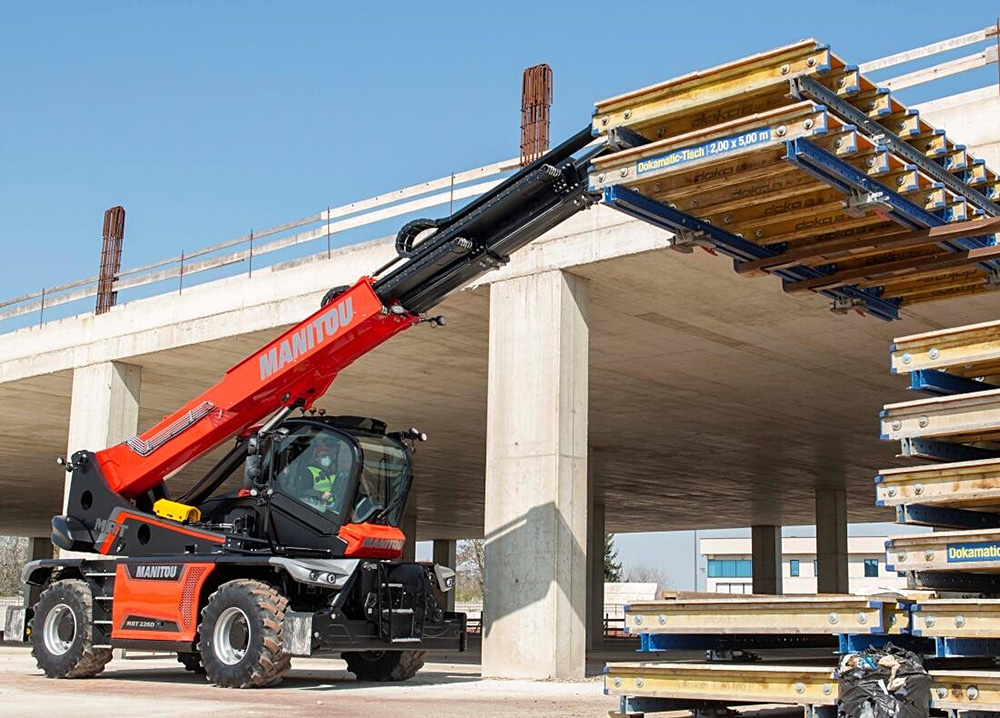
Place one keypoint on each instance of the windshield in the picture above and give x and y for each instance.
(313, 465)
(385, 479)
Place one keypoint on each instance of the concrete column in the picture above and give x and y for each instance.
(765, 542)
(409, 528)
(104, 407)
(831, 541)
(595, 575)
(536, 478)
(445, 554)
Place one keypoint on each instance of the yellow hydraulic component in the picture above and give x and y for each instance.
(174, 511)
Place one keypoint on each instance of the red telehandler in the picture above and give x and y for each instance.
(258, 562)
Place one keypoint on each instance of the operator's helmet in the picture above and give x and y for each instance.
(325, 449)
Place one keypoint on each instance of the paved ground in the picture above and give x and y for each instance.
(159, 687)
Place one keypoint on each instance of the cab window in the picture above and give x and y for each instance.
(313, 465)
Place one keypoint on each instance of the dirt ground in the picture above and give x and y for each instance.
(154, 687)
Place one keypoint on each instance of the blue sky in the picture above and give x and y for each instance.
(207, 119)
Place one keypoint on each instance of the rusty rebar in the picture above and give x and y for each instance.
(111, 258)
(536, 99)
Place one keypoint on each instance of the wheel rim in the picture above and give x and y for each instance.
(59, 630)
(231, 636)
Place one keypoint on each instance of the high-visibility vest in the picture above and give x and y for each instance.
(322, 482)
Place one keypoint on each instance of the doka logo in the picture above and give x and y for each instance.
(337, 317)
(155, 571)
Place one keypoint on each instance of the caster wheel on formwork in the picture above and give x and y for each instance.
(241, 645)
(384, 665)
(62, 632)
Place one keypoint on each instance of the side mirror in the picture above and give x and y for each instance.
(254, 474)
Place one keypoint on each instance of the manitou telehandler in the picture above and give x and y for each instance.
(287, 546)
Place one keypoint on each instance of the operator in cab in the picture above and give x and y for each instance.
(322, 466)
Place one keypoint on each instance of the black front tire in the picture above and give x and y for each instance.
(62, 632)
(384, 665)
(249, 653)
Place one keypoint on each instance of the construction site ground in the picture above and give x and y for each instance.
(153, 687)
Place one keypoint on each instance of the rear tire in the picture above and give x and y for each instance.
(384, 665)
(62, 632)
(241, 644)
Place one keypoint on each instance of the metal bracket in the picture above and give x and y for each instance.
(844, 305)
(861, 203)
(684, 241)
(622, 138)
(992, 279)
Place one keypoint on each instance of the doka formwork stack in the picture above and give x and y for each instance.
(794, 164)
(950, 613)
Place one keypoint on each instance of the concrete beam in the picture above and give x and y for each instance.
(765, 549)
(104, 407)
(831, 541)
(536, 478)
(445, 553)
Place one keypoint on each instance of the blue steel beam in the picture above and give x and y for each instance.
(941, 383)
(924, 515)
(655, 642)
(634, 204)
(944, 450)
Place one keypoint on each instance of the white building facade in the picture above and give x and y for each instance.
(730, 568)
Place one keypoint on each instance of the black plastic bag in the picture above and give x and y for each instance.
(887, 682)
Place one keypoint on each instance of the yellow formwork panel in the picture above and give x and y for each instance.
(783, 615)
(970, 417)
(699, 94)
(740, 683)
(975, 551)
(760, 83)
(972, 350)
(957, 618)
(965, 690)
(962, 484)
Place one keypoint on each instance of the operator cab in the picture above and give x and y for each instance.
(322, 474)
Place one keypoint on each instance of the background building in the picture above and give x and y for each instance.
(730, 569)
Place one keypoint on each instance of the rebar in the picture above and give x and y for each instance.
(536, 99)
(111, 258)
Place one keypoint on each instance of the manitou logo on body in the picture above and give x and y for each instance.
(311, 335)
(155, 571)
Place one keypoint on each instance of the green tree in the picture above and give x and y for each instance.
(612, 566)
